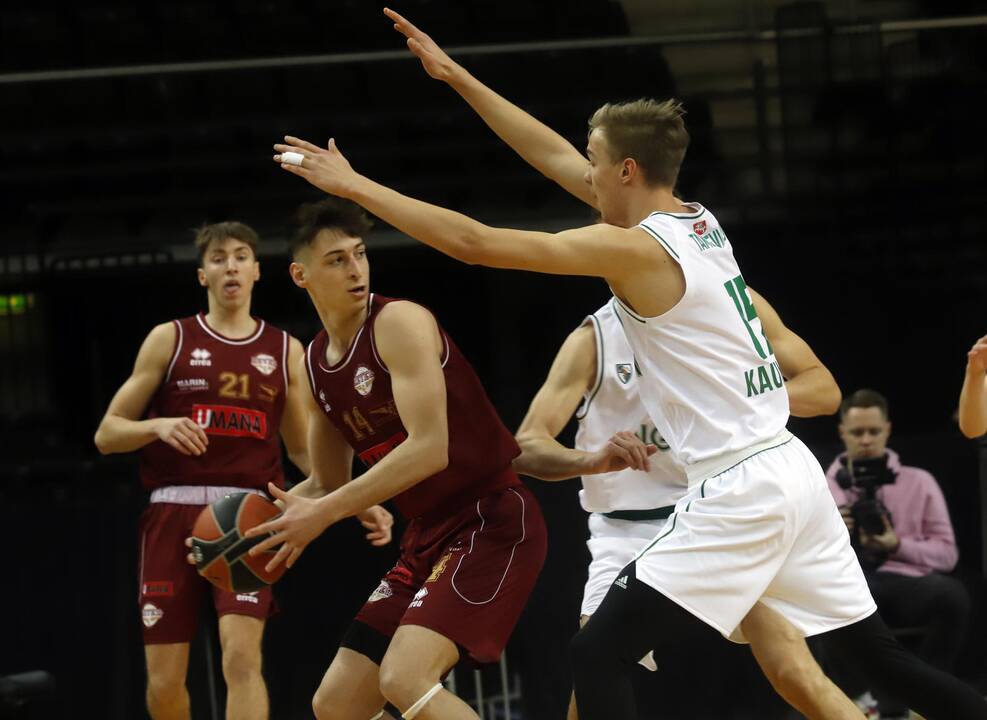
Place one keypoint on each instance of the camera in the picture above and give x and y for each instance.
(868, 512)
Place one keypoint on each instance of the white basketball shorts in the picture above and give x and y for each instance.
(766, 529)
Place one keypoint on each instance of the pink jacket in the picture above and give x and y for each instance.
(919, 515)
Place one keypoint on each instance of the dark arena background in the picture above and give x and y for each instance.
(841, 144)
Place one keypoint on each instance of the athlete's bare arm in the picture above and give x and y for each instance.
(637, 268)
(331, 460)
(294, 420)
(121, 429)
(973, 396)
(540, 146)
(572, 374)
(330, 455)
(812, 389)
(409, 344)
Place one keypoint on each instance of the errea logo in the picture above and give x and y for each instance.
(419, 598)
(201, 358)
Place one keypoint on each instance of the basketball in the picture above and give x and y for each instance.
(220, 545)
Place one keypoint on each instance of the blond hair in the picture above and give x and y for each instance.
(651, 133)
(206, 234)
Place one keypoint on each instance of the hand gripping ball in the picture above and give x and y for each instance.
(220, 547)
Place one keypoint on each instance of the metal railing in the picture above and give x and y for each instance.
(707, 38)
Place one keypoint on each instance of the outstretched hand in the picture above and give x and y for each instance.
(623, 450)
(378, 521)
(325, 168)
(303, 520)
(977, 357)
(434, 59)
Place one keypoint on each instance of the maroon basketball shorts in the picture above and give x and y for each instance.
(171, 591)
(466, 575)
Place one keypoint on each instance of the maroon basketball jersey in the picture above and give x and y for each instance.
(356, 395)
(235, 391)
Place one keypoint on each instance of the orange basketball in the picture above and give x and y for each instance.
(220, 547)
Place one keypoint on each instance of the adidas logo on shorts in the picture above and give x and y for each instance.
(621, 582)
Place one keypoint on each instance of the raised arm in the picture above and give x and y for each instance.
(121, 429)
(598, 250)
(298, 402)
(812, 390)
(573, 373)
(540, 146)
(973, 396)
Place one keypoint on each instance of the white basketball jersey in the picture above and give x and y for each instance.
(709, 377)
(613, 404)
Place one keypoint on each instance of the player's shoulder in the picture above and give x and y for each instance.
(692, 214)
(163, 334)
(398, 312)
(606, 314)
(582, 337)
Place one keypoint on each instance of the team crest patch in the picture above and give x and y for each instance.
(150, 614)
(624, 372)
(439, 568)
(699, 227)
(363, 380)
(264, 362)
(383, 591)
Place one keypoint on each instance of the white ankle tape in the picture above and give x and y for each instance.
(378, 716)
(422, 702)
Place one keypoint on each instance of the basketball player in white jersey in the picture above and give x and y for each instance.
(593, 375)
(757, 522)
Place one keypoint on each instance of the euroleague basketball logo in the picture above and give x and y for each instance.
(363, 380)
(265, 363)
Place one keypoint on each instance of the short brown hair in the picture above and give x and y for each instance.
(333, 213)
(206, 234)
(651, 132)
(865, 398)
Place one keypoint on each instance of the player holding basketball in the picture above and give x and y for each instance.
(389, 385)
(756, 523)
(593, 376)
(204, 404)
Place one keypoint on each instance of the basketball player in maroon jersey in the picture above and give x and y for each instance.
(389, 385)
(214, 391)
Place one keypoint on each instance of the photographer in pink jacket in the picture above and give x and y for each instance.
(899, 525)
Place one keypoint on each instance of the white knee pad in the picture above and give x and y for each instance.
(422, 702)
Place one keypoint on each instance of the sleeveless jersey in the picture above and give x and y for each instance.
(613, 404)
(235, 390)
(356, 396)
(709, 377)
